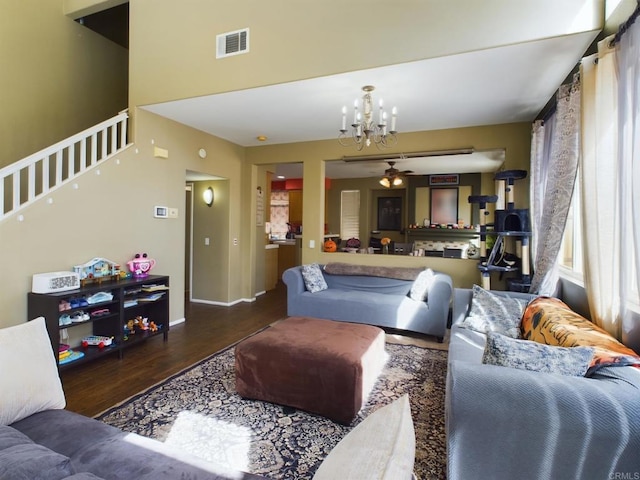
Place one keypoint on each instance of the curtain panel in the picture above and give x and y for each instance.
(628, 67)
(555, 148)
(600, 174)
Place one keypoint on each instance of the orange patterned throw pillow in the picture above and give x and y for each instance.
(550, 321)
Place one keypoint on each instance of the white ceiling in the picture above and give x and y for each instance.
(500, 85)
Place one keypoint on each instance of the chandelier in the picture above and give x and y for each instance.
(364, 130)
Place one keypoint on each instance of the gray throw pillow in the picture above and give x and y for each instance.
(494, 313)
(313, 278)
(537, 357)
(421, 285)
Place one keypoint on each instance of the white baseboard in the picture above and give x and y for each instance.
(223, 304)
(176, 322)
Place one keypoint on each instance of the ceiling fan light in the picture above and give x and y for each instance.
(397, 181)
(384, 181)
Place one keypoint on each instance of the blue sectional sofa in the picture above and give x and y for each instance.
(506, 423)
(364, 294)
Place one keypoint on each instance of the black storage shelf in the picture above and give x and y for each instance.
(110, 324)
(91, 320)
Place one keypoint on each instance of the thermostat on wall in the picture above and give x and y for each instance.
(160, 212)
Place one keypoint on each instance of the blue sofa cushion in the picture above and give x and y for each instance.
(10, 437)
(33, 461)
(363, 283)
(537, 357)
(83, 476)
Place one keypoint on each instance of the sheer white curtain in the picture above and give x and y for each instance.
(628, 56)
(602, 218)
(554, 161)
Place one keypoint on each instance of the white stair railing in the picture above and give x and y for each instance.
(31, 178)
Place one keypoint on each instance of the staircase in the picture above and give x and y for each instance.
(33, 177)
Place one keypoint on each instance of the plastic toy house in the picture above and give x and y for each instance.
(96, 270)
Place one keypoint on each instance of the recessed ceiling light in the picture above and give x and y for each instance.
(261, 138)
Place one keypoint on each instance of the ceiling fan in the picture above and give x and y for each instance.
(393, 177)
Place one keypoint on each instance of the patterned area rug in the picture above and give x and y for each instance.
(199, 411)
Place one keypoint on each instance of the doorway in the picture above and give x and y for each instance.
(206, 239)
(188, 242)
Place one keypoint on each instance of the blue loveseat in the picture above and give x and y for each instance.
(372, 295)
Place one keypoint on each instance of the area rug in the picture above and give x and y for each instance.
(198, 411)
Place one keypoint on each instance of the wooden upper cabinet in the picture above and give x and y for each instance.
(295, 206)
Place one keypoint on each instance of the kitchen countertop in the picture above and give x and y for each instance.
(283, 242)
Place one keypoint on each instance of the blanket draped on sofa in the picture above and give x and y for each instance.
(399, 273)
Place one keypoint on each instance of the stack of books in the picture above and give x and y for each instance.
(154, 288)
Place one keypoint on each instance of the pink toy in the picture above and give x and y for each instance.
(141, 265)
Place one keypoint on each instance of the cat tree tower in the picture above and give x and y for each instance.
(509, 223)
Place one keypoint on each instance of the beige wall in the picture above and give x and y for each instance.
(57, 78)
(111, 215)
(514, 138)
(210, 263)
(294, 40)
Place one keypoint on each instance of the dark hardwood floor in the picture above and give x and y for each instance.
(93, 387)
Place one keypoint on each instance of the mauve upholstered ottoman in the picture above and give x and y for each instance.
(320, 366)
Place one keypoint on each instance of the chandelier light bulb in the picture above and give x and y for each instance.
(384, 181)
(394, 116)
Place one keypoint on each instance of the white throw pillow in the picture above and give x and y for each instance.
(382, 446)
(421, 285)
(29, 380)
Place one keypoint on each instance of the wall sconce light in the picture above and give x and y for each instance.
(207, 196)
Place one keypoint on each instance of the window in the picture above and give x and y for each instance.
(350, 214)
(570, 256)
(571, 247)
(279, 215)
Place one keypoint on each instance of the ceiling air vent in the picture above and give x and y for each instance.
(232, 43)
